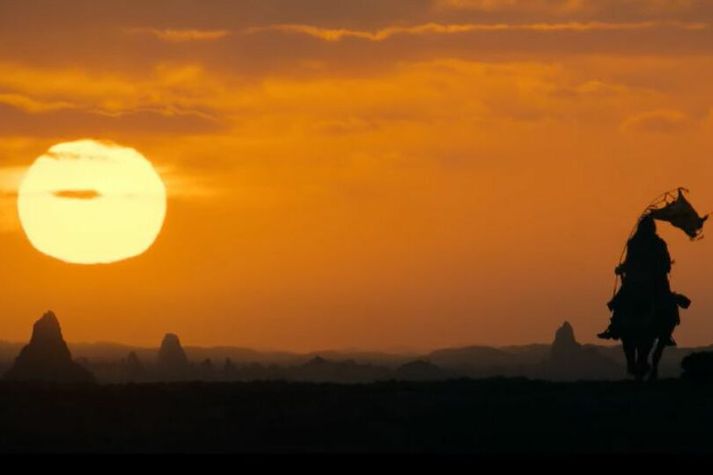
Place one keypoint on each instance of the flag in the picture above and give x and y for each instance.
(680, 213)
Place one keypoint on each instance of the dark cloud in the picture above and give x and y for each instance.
(585, 10)
(369, 14)
(97, 35)
(222, 14)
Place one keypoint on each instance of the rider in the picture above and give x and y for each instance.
(645, 285)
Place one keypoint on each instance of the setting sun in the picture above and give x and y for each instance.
(91, 202)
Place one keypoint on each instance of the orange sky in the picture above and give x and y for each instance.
(363, 174)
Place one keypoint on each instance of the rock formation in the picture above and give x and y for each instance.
(321, 370)
(172, 362)
(569, 360)
(47, 358)
(565, 345)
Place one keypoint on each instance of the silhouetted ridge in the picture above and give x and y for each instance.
(47, 358)
(316, 361)
(420, 371)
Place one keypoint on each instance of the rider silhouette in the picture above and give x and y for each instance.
(645, 285)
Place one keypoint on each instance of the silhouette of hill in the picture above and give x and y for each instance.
(421, 371)
(47, 358)
(321, 370)
(368, 357)
(244, 355)
(481, 361)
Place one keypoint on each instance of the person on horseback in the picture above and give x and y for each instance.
(645, 285)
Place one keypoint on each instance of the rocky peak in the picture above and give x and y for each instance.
(47, 330)
(171, 356)
(565, 343)
(47, 358)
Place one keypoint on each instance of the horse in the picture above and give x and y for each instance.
(649, 327)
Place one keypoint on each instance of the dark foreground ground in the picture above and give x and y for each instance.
(487, 416)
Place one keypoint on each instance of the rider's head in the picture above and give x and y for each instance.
(647, 227)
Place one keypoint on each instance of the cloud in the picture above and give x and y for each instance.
(132, 36)
(31, 105)
(339, 34)
(182, 36)
(81, 122)
(551, 6)
(10, 178)
(658, 121)
(569, 7)
(77, 194)
(46, 102)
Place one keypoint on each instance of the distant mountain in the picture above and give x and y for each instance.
(367, 357)
(482, 356)
(564, 359)
(47, 358)
(105, 352)
(109, 351)
(421, 370)
(484, 361)
(243, 355)
(320, 369)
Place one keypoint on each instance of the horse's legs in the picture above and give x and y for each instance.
(643, 366)
(630, 352)
(658, 353)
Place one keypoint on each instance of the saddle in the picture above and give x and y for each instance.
(658, 318)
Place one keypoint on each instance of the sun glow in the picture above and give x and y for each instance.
(91, 202)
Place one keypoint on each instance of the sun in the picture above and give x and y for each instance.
(92, 202)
